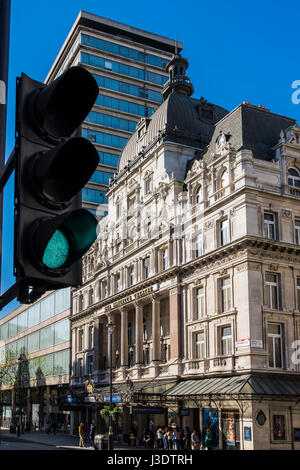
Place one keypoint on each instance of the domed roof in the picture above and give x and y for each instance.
(179, 119)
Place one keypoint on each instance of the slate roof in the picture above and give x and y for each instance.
(252, 128)
(180, 112)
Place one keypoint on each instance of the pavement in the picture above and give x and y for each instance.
(59, 440)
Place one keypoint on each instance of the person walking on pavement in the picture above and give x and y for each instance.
(208, 439)
(48, 427)
(92, 434)
(195, 441)
(187, 439)
(81, 434)
(54, 426)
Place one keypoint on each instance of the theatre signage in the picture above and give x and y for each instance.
(129, 298)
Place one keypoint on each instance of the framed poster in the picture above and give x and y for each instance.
(247, 433)
(297, 434)
(279, 427)
(210, 421)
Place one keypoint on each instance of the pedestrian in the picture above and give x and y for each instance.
(195, 441)
(92, 434)
(54, 426)
(170, 434)
(147, 439)
(187, 439)
(165, 439)
(87, 435)
(159, 436)
(81, 434)
(176, 438)
(208, 439)
(48, 427)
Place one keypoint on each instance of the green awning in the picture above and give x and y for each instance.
(251, 384)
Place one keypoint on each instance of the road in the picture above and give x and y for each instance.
(15, 445)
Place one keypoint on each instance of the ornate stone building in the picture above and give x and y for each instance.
(198, 267)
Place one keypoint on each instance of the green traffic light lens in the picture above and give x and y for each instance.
(57, 250)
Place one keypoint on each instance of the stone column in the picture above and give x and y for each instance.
(156, 352)
(138, 332)
(73, 352)
(124, 337)
(175, 323)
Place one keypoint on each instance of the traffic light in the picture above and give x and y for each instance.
(53, 164)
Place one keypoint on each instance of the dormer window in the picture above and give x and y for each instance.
(141, 132)
(293, 177)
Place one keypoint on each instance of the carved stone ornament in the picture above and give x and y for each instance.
(208, 225)
(286, 213)
(222, 145)
(273, 267)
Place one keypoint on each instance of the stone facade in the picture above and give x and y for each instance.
(198, 266)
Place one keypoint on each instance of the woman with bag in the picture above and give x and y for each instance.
(195, 441)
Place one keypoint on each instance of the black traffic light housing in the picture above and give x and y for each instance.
(53, 164)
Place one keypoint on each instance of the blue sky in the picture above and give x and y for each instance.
(237, 51)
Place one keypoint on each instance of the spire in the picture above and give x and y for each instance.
(178, 81)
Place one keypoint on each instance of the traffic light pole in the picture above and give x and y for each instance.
(4, 58)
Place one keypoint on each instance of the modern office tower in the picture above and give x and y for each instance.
(129, 66)
(37, 339)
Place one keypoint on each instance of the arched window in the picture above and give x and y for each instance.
(198, 195)
(293, 178)
(224, 179)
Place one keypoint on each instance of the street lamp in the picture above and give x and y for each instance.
(110, 327)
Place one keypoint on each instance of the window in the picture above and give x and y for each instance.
(199, 345)
(224, 180)
(81, 306)
(90, 364)
(275, 345)
(272, 283)
(33, 343)
(34, 315)
(198, 195)
(62, 331)
(226, 340)
(146, 355)
(298, 293)
(118, 283)
(297, 231)
(131, 205)
(105, 290)
(269, 226)
(91, 296)
(108, 64)
(164, 259)
(165, 353)
(200, 302)
(131, 275)
(146, 267)
(148, 186)
(224, 232)
(80, 340)
(145, 333)
(293, 178)
(91, 336)
(80, 371)
(47, 337)
(198, 245)
(225, 289)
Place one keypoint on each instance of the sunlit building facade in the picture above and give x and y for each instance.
(197, 266)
